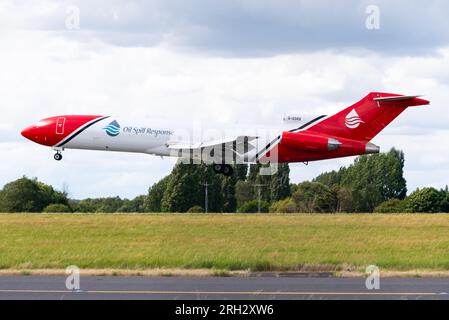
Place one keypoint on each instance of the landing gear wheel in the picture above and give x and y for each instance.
(58, 156)
(224, 169)
(218, 168)
(227, 170)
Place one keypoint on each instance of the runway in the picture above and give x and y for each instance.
(255, 288)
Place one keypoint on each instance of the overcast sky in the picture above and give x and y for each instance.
(250, 60)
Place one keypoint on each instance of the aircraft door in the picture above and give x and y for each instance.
(60, 125)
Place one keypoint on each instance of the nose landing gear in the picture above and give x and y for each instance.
(58, 156)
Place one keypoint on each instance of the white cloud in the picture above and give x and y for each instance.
(243, 27)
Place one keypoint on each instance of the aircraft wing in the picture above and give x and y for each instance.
(226, 150)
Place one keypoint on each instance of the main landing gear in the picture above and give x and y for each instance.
(224, 169)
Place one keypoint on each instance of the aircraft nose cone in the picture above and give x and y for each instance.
(28, 133)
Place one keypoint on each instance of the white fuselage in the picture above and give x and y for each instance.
(156, 136)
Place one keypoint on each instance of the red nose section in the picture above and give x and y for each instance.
(36, 134)
(28, 133)
(55, 130)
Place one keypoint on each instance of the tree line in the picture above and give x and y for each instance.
(373, 183)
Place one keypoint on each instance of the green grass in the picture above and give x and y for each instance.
(224, 242)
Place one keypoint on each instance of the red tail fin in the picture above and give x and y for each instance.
(365, 119)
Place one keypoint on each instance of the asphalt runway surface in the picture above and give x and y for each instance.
(256, 288)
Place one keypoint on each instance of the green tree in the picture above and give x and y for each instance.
(185, 188)
(374, 179)
(331, 178)
(392, 206)
(426, 200)
(138, 203)
(253, 173)
(272, 187)
(445, 201)
(262, 188)
(110, 204)
(28, 195)
(244, 192)
(252, 206)
(57, 208)
(153, 200)
(228, 189)
(134, 205)
(286, 205)
(293, 188)
(314, 197)
(50, 195)
(344, 198)
(241, 172)
(215, 189)
(280, 183)
(86, 205)
(195, 209)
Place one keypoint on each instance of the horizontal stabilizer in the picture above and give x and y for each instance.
(396, 98)
(403, 100)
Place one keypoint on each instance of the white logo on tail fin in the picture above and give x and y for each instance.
(353, 120)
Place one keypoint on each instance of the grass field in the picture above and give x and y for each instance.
(225, 242)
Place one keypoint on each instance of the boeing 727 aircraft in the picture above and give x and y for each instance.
(346, 133)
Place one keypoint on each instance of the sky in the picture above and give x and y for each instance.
(251, 61)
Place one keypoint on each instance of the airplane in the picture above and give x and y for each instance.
(299, 139)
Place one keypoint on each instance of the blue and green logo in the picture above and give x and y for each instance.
(113, 129)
